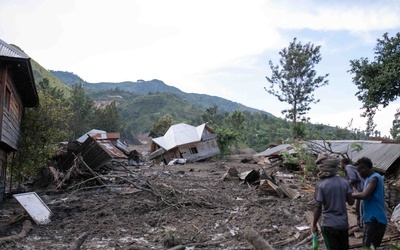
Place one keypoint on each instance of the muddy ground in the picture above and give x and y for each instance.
(166, 206)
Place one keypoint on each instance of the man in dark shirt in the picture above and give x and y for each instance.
(331, 195)
(356, 182)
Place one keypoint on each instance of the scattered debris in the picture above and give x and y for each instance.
(256, 240)
(26, 227)
(179, 161)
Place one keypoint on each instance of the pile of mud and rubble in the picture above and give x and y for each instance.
(204, 205)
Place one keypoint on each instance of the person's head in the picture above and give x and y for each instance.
(327, 165)
(344, 162)
(364, 166)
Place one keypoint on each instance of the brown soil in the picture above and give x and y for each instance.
(187, 205)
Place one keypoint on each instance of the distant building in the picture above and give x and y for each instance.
(185, 141)
(17, 91)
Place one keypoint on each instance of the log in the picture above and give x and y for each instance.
(256, 240)
(26, 227)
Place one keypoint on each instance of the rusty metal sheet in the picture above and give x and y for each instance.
(113, 151)
(106, 136)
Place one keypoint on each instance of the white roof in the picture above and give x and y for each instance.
(180, 134)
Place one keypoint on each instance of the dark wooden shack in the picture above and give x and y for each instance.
(17, 91)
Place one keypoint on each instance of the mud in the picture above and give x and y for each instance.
(182, 205)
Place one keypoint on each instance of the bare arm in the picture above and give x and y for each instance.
(317, 215)
(369, 189)
(349, 199)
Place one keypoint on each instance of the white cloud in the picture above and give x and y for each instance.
(216, 47)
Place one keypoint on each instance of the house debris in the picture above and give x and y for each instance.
(91, 159)
(384, 156)
(266, 184)
(184, 141)
(272, 156)
(96, 150)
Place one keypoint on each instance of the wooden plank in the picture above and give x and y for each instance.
(352, 218)
(291, 193)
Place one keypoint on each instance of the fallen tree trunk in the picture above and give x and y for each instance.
(26, 227)
(256, 240)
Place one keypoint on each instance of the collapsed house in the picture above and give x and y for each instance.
(96, 148)
(385, 157)
(185, 141)
(272, 155)
(18, 91)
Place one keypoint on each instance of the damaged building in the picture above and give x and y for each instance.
(96, 148)
(18, 91)
(185, 141)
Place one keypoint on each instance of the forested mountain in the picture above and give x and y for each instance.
(142, 104)
(156, 86)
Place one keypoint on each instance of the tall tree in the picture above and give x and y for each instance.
(82, 107)
(42, 128)
(378, 81)
(212, 116)
(107, 118)
(294, 80)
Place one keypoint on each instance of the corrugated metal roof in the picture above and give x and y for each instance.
(91, 132)
(106, 136)
(7, 50)
(382, 155)
(180, 134)
(20, 69)
(275, 150)
(112, 150)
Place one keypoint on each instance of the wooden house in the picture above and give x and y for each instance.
(184, 141)
(17, 91)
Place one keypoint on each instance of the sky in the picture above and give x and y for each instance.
(215, 47)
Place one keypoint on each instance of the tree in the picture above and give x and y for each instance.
(212, 117)
(82, 107)
(161, 126)
(395, 130)
(107, 119)
(378, 81)
(42, 128)
(295, 80)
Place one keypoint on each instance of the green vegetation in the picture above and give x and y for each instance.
(161, 126)
(141, 87)
(41, 73)
(378, 81)
(58, 119)
(296, 81)
(143, 105)
(42, 129)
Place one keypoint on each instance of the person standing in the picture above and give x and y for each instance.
(374, 209)
(356, 182)
(331, 195)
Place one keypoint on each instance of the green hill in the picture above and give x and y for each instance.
(39, 73)
(68, 78)
(156, 86)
